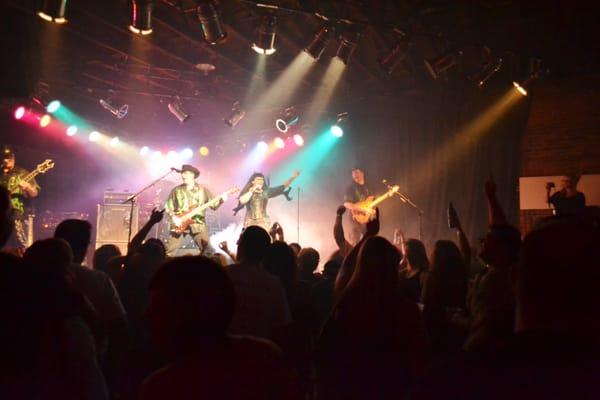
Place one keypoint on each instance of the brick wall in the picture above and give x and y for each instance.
(562, 134)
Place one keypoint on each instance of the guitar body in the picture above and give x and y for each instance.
(182, 220)
(366, 211)
(42, 168)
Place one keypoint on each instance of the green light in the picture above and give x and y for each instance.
(53, 106)
(337, 131)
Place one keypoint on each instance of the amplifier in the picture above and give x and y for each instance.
(111, 197)
(112, 224)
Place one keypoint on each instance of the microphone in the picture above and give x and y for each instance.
(175, 170)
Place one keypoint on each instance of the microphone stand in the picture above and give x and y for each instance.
(405, 199)
(133, 198)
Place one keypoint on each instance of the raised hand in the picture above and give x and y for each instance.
(341, 210)
(373, 224)
(157, 215)
(295, 174)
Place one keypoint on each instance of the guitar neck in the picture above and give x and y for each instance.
(379, 199)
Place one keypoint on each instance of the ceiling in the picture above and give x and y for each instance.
(95, 56)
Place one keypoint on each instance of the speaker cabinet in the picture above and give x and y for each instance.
(112, 225)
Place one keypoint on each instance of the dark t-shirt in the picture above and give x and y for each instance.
(356, 193)
(19, 201)
(564, 205)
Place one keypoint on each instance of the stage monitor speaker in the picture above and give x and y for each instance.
(113, 223)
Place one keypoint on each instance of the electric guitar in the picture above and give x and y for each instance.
(366, 211)
(42, 168)
(181, 220)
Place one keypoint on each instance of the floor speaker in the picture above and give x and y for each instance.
(112, 225)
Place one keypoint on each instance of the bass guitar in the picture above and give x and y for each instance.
(366, 209)
(42, 168)
(181, 220)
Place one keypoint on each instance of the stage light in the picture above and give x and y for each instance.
(536, 71)
(287, 120)
(299, 140)
(45, 120)
(144, 150)
(319, 41)
(157, 154)
(53, 11)
(265, 36)
(488, 70)
(141, 17)
(210, 22)
(119, 113)
(397, 54)
(187, 153)
(94, 136)
(204, 151)
(72, 130)
(236, 115)
(337, 131)
(177, 111)
(114, 142)
(19, 112)
(279, 142)
(262, 146)
(172, 154)
(53, 106)
(348, 42)
(438, 65)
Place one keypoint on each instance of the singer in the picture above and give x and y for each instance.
(256, 194)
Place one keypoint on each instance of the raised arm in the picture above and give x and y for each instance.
(465, 247)
(288, 182)
(495, 213)
(338, 233)
(136, 242)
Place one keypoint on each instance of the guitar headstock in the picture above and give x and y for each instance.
(296, 174)
(45, 166)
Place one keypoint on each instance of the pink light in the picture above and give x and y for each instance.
(279, 143)
(19, 112)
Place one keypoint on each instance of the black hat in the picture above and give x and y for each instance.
(7, 152)
(191, 168)
(359, 167)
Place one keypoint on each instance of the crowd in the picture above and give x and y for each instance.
(382, 321)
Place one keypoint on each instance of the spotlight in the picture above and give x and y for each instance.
(94, 136)
(348, 42)
(119, 113)
(187, 153)
(53, 106)
(114, 142)
(397, 54)
(144, 150)
(72, 130)
(262, 146)
(210, 22)
(265, 40)
(299, 140)
(172, 154)
(438, 65)
(141, 16)
(536, 68)
(19, 112)
(45, 120)
(53, 11)
(319, 42)
(204, 151)
(337, 129)
(279, 142)
(236, 115)
(487, 72)
(157, 154)
(287, 120)
(177, 111)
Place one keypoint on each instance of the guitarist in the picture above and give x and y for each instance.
(20, 193)
(355, 193)
(182, 198)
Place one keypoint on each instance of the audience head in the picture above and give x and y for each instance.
(77, 233)
(153, 249)
(416, 255)
(376, 267)
(6, 221)
(308, 261)
(252, 245)
(446, 257)
(501, 245)
(280, 261)
(49, 259)
(331, 269)
(192, 301)
(103, 254)
(558, 278)
(296, 247)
